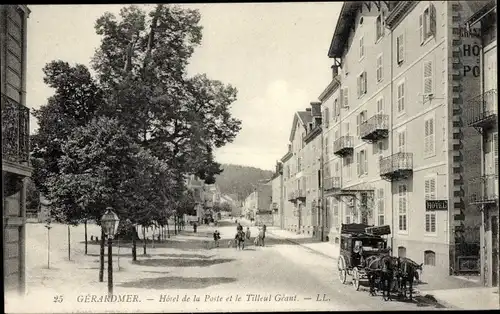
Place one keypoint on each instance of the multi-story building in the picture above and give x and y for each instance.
(406, 69)
(276, 206)
(481, 113)
(332, 164)
(15, 142)
(258, 203)
(301, 173)
(197, 187)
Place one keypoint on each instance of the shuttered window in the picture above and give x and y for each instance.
(430, 194)
(428, 82)
(346, 97)
(335, 205)
(361, 48)
(380, 105)
(402, 141)
(401, 97)
(361, 163)
(380, 73)
(429, 137)
(495, 150)
(402, 204)
(380, 207)
(379, 27)
(427, 23)
(400, 48)
(326, 117)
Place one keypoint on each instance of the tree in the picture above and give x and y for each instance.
(141, 63)
(76, 101)
(32, 196)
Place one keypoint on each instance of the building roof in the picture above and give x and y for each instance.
(304, 117)
(479, 9)
(345, 24)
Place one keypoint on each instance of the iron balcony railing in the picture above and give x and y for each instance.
(483, 189)
(481, 108)
(396, 162)
(300, 193)
(291, 196)
(379, 122)
(332, 183)
(15, 130)
(343, 144)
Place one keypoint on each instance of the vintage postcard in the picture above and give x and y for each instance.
(243, 157)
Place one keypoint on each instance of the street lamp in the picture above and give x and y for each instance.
(48, 241)
(109, 222)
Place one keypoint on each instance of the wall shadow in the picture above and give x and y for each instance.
(185, 255)
(163, 283)
(181, 262)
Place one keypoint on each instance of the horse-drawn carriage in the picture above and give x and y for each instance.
(357, 243)
(365, 256)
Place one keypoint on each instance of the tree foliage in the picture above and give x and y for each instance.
(141, 63)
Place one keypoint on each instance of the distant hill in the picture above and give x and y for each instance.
(240, 180)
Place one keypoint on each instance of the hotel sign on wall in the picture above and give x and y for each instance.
(470, 58)
(432, 205)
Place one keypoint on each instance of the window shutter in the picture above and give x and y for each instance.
(421, 27)
(432, 20)
(341, 96)
(426, 138)
(358, 121)
(433, 222)
(495, 150)
(432, 137)
(401, 48)
(358, 164)
(428, 77)
(326, 117)
(346, 97)
(427, 222)
(427, 189)
(365, 83)
(359, 85)
(432, 188)
(365, 160)
(397, 49)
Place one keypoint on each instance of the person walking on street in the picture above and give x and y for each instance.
(216, 238)
(263, 234)
(247, 234)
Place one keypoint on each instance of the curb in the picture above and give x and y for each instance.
(306, 247)
(438, 301)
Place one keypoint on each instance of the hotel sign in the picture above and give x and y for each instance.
(431, 205)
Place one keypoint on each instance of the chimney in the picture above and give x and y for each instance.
(335, 71)
(289, 147)
(308, 109)
(316, 108)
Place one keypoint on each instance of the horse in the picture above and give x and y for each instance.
(407, 272)
(381, 268)
(240, 240)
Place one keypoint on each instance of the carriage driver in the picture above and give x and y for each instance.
(358, 249)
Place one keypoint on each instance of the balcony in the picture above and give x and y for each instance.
(481, 111)
(297, 195)
(396, 167)
(483, 190)
(375, 128)
(332, 183)
(15, 131)
(343, 146)
(301, 194)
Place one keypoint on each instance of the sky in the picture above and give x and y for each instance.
(275, 54)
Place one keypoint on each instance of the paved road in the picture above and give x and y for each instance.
(281, 276)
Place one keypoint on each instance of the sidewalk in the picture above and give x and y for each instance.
(451, 291)
(326, 249)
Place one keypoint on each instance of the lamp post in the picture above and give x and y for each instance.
(48, 242)
(109, 223)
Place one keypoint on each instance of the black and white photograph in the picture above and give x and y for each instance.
(250, 157)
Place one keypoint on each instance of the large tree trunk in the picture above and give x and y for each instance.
(69, 243)
(86, 238)
(134, 244)
(168, 231)
(153, 237)
(175, 225)
(144, 239)
(101, 257)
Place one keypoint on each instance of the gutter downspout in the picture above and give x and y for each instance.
(322, 182)
(392, 138)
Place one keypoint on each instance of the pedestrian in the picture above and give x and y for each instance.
(216, 238)
(194, 227)
(264, 227)
(247, 234)
(92, 238)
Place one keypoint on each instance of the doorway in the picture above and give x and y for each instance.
(494, 250)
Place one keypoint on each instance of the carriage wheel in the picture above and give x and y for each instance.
(342, 270)
(355, 278)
